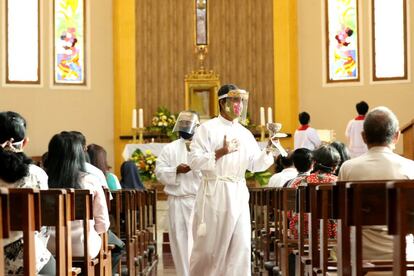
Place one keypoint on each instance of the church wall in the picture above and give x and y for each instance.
(87, 109)
(331, 107)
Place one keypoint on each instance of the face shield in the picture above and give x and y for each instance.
(186, 122)
(235, 105)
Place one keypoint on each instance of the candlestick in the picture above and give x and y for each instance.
(269, 115)
(140, 118)
(262, 116)
(134, 118)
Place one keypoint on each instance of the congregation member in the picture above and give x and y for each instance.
(65, 166)
(303, 161)
(130, 176)
(306, 136)
(353, 131)
(223, 150)
(380, 133)
(288, 173)
(17, 171)
(343, 153)
(181, 186)
(98, 158)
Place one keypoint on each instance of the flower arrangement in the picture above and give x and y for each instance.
(145, 163)
(163, 122)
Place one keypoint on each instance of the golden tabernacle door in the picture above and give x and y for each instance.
(201, 93)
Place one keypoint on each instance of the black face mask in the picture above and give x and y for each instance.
(185, 135)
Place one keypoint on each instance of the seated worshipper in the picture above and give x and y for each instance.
(181, 186)
(326, 159)
(17, 171)
(130, 176)
(65, 165)
(97, 157)
(380, 133)
(303, 162)
(305, 136)
(353, 131)
(289, 172)
(343, 153)
(88, 166)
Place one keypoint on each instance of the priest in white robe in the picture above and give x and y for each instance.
(223, 150)
(181, 185)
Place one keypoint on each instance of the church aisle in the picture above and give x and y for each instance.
(165, 262)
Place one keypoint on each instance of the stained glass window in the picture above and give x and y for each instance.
(69, 42)
(22, 41)
(342, 40)
(389, 39)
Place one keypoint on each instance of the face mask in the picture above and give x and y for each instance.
(234, 109)
(185, 135)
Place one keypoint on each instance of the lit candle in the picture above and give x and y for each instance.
(269, 115)
(262, 116)
(134, 118)
(141, 118)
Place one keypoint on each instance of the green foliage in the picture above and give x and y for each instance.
(261, 177)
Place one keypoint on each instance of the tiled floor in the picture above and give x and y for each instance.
(165, 264)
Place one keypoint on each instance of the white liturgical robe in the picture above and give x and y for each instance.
(222, 200)
(307, 138)
(181, 190)
(353, 131)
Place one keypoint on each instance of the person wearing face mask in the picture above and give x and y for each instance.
(223, 150)
(181, 185)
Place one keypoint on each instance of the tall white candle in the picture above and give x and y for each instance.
(141, 118)
(262, 116)
(134, 118)
(269, 115)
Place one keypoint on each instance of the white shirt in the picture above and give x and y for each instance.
(379, 163)
(172, 155)
(279, 179)
(99, 174)
(307, 138)
(353, 131)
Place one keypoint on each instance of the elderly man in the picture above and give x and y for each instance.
(380, 133)
(181, 185)
(223, 150)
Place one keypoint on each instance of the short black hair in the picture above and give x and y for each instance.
(362, 108)
(304, 118)
(302, 159)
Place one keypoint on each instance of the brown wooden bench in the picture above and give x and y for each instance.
(25, 216)
(400, 221)
(4, 224)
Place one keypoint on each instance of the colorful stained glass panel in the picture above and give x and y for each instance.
(69, 42)
(342, 31)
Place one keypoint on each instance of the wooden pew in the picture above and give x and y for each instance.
(25, 217)
(55, 213)
(84, 211)
(4, 224)
(400, 221)
(365, 206)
